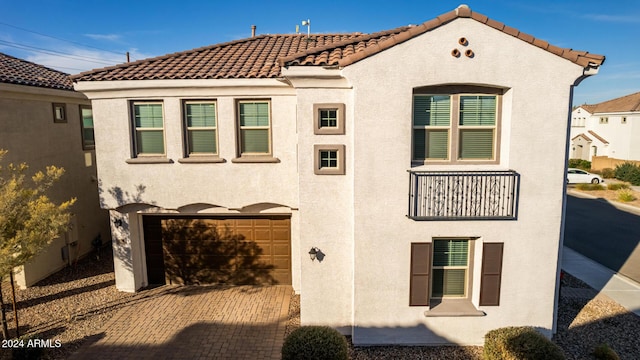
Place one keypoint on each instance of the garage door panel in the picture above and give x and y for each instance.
(233, 251)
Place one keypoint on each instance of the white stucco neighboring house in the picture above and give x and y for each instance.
(610, 128)
(389, 178)
(43, 122)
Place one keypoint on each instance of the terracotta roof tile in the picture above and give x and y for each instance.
(627, 103)
(22, 72)
(582, 135)
(602, 140)
(264, 56)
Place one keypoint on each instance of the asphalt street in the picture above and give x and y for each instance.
(604, 233)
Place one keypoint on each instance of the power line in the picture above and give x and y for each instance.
(57, 38)
(55, 53)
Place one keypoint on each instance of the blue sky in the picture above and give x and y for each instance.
(98, 33)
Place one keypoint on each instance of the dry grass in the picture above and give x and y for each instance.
(613, 195)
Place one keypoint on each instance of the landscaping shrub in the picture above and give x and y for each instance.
(604, 352)
(625, 195)
(521, 342)
(618, 186)
(628, 172)
(580, 164)
(608, 173)
(589, 187)
(315, 342)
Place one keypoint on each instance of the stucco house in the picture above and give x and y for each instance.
(610, 128)
(389, 178)
(43, 121)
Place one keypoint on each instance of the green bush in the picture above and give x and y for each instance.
(315, 342)
(589, 187)
(521, 342)
(604, 352)
(608, 173)
(580, 164)
(628, 172)
(618, 186)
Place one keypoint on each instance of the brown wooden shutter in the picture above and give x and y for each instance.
(420, 270)
(491, 274)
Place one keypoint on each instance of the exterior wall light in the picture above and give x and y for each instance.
(313, 253)
(117, 222)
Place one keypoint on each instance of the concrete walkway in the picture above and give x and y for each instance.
(624, 291)
(196, 322)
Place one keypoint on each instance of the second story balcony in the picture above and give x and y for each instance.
(463, 195)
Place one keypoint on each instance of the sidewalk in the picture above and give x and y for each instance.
(624, 291)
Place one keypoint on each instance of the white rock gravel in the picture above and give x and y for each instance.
(73, 304)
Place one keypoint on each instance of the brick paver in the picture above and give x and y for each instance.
(196, 322)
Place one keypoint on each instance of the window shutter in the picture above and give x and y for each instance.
(420, 271)
(491, 274)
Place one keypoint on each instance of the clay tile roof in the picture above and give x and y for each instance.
(264, 56)
(582, 135)
(602, 140)
(22, 72)
(588, 108)
(625, 103)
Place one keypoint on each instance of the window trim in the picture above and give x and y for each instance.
(146, 157)
(340, 152)
(318, 129)
(63, 118)
(455, 92)
(253, 157)
(82, 128)
(189, 157)
(604, 120)
(623, 120)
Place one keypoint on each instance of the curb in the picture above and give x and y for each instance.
(618, 205)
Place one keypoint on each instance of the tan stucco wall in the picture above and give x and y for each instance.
(27, 130)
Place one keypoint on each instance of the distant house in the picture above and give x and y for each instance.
(43, 121)
(396, 180)
(610, 128)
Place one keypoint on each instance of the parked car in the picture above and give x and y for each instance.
(576, 176)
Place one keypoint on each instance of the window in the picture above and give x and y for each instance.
(623, 120)
(59, 113)
(255, 128)
(86, 122)
(148, 129)
(604, 120)
(441, 272)
(201, 128)
(456, 127)
(450, 268)
(328, 119)
(329, 160)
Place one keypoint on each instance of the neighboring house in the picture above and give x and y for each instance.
(406, 163)
(610, 128)
(43, 122)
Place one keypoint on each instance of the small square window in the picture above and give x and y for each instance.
(329, 160)
(328, 119)
(604, 120)
(623, 120)
(59, 113)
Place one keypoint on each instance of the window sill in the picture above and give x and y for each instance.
(255, 159)
(453, 307)
(149, 160)
(201, 160)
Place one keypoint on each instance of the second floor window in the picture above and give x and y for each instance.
(149, 128)
(86, 121)
(254, 127)
(455, 127)
(201, 127)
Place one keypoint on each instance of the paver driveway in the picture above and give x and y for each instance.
(196, 322)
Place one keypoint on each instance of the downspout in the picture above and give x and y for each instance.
(588, 71)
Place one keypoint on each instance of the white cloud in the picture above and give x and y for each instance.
(613, 18)
(106, 37)
(76, 60)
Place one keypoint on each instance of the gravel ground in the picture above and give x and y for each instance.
(73, 304)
